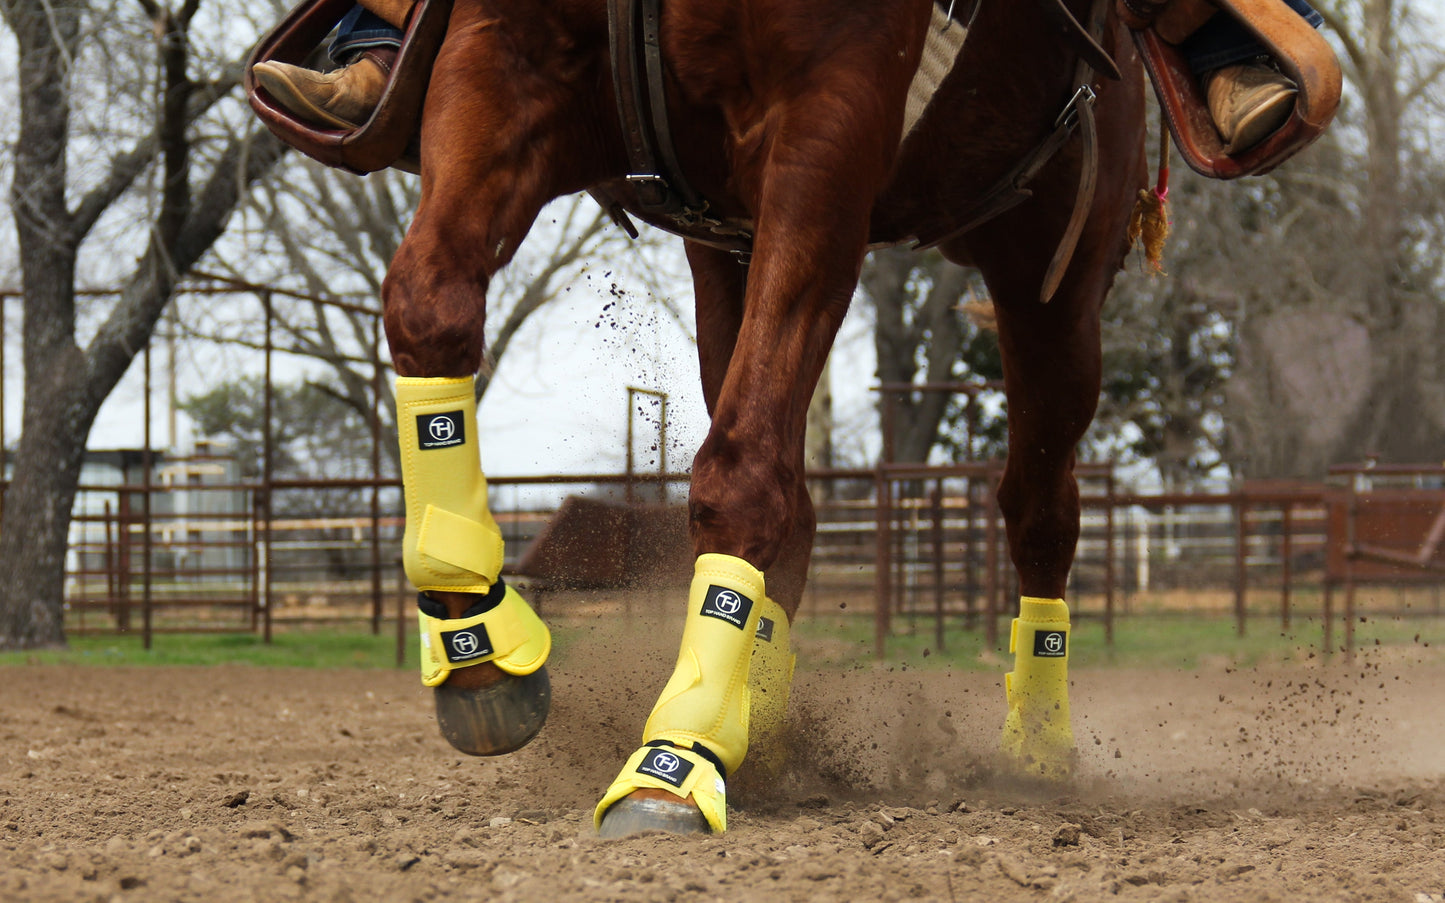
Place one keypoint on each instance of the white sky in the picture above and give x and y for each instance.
(560, 400)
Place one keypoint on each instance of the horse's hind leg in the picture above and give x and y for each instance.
(1052, 369)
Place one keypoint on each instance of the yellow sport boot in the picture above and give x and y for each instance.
(1037, 734)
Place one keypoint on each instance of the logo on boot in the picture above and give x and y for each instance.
(665, 765)
(465, 645)
(440, 430)
(1051, 644)
(765, 629)
(727, 605)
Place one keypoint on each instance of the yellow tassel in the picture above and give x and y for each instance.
(1150, 223)
(1150, 220)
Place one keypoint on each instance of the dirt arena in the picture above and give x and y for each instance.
(1296, 782)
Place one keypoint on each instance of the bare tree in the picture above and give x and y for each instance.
(1300, 323)
(175, 174)
(922, 334)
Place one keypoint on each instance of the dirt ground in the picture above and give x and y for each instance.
(233, 783)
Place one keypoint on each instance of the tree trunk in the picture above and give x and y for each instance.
(65, 384)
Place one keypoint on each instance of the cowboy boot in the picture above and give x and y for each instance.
(1248, 102)
(342, 99)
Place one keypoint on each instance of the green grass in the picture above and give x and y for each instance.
(295, 648)
(1183, 641)
(1142, 641)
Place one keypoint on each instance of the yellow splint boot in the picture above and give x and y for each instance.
(703, 712)
(770, 680)
(451, 542)
(1037, 734)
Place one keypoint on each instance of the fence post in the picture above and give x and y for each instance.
(1109, 557)
(882, 563)
(1240, 574)
(938, 564)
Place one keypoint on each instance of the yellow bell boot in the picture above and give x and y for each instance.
(1037, 734)
(770, 680)
(501, 628)
(702, 715)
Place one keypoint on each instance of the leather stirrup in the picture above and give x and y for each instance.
(388, 136)
(1301, 53)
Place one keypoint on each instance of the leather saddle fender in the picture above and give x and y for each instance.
(1297, 48)
(387, 137)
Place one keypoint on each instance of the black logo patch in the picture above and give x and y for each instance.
(466, 644)
(727, 605)
(440, 430)
(665, 765)
(1050, 644)
(765, 629)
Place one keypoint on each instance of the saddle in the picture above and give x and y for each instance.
(1300, 52)
(389, 137)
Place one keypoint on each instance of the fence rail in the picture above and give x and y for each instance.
(906, 544)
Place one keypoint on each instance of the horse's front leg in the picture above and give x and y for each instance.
(816, 177)
(484, 178)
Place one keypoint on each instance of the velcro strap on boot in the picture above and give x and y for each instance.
(460, 542)
(452, 542)
(501, 628)
(685, 772)
(706, 702)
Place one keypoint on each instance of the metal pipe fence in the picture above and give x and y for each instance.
(916, 548)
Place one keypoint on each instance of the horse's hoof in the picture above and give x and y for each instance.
(496, 719)
(634, 816)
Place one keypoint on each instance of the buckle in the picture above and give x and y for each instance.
(1069, 117)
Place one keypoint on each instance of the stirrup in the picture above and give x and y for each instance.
(386, 139)
(1299, 50)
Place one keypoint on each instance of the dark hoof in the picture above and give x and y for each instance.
(631, 816)
(498, 719)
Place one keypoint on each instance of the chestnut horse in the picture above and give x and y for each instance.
(788, 116)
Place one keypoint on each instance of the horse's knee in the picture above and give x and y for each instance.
(434, 317)
(741, 505)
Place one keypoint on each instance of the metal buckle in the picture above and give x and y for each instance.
(1069, 117)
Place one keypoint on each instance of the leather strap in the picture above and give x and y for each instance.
(661, 192)
(1012, 189)
(1084, 41)
(1088, 166)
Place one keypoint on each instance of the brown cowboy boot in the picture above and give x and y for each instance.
(1248, 102)
(343, 99)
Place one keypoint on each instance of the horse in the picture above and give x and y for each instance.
(788, 117)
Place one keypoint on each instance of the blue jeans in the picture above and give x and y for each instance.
(1223, 41)
(360, 30)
